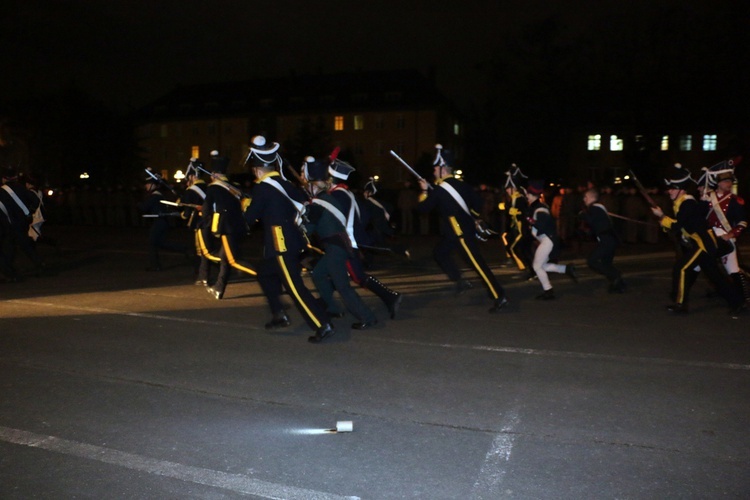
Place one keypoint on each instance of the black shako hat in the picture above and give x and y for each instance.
(678, 177)
(514, 177)
(315, 170)
(219, 163)
(340, 169)
(263, 154)
(443, 157)
(194, 167)
(371, 185)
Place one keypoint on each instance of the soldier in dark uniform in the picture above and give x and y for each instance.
(701, 248)
(327, 223)
(519, 235)
(544, 229)
(601, 258)
(376, 219)
(340, 172)
(195, 195)
(20, 204)
(154, 209)
(278, 205)
(458, 205)
(222, 215)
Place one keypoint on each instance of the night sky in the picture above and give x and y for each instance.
(128, 53)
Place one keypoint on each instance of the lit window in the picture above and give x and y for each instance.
(456, 129)
(595, 142)
(359, 122)
(338, 123)
(195, 152)
(665, 143)
(686, 142)
(709, 142)
(615, 143)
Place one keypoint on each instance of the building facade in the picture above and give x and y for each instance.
(366, 114)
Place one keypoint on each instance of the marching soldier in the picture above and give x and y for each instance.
(222, 215)
(458, 206)
(701, 246)
(193, 197)
(547, 252)
(376, 220)
(340, 171)
(601, 258)
(153, 208)
(727, 218)
(327, 222)
(278, 205)
(519, 235)
(18, 206)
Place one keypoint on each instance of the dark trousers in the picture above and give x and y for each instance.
(601, 259)
(229, 251)
(158, 241)
(469, 250)
(284, 271)
(684, 276)
(331, 274)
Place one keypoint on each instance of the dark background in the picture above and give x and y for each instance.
(523, 72)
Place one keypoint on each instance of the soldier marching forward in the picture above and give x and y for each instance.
(277, 204)
(458, 205)
(544, 229)
(601, 258)
(701, 246)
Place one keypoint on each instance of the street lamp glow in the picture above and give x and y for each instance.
(179, 176)
(84, 175)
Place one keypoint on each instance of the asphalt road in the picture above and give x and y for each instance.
(118, 383)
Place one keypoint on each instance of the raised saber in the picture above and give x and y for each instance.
(408, 167)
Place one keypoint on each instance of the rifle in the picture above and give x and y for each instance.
(232, 189)
(160, 180)
(643, 191)
(181, 204)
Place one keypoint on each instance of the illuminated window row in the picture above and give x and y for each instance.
(685, 142)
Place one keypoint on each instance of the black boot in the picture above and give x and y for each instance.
(546, 295)
(391, 299)
(321, 333)
(279, 320)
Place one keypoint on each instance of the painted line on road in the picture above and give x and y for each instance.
(100, 310)
(570, 354)
(232, 482)
(492, 473)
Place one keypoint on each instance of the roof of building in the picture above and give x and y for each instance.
(361, 90)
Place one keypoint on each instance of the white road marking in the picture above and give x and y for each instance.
(503, 349)
(101, 310)
(233, 482)
(570, 354)
(492, 473)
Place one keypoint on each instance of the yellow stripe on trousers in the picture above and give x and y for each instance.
(204, 249)
(479, 269)
(232, 261)
(681, 286)
(293, 289)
